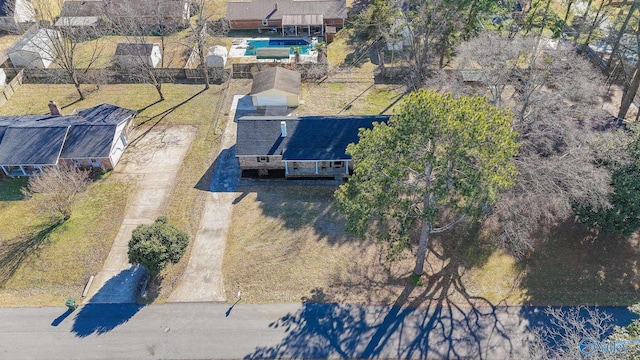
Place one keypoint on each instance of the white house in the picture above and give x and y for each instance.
(276, 86)
(217, 56)
(3, 78)
(35, 49)
(16, 15)
(129, 55)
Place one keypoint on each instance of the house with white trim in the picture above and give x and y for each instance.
(305, 146)
(91, 138)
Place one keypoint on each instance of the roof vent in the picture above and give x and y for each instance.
(283, 128)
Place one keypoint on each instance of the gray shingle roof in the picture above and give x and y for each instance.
(88, 141)
(32, 145)
(40, 139)
(266, 9)
(308, 137)
(134, 49)
(276, 78)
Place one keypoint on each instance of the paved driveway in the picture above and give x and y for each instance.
(153, 161)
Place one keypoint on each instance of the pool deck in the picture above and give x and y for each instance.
(239, 46)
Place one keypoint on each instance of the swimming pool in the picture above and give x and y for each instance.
(303, 44)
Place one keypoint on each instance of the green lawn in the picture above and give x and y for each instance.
(43, 263)
(99, 214)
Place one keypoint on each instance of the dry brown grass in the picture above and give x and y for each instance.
(285, 241)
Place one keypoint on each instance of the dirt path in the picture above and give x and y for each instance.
(153, 162)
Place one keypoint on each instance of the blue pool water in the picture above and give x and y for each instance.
(304, 45)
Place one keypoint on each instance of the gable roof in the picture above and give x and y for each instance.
(275, 9)
(43, 139)
(123, 8)
(144, 49)
(32, 145)
(308, 137)
(37, 41)
(276, 78)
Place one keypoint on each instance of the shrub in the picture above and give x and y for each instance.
(155, 245)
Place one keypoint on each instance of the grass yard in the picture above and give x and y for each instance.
(348, 98)
(184, 105)
(287, 243)
(43, 263)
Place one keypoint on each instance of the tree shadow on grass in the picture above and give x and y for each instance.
(15, 251)
(157, 119)
(439, 320)
(575, 266)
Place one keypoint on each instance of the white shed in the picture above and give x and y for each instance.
(3, 78)
(217, 56)
(35, 49)
(276, 86)
(129, 55)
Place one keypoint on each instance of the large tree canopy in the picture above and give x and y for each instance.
(438, 160)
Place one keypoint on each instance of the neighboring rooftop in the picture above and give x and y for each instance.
(42, 139)
(276, 78)
(275, 9)
(134, 49)
(307, 137)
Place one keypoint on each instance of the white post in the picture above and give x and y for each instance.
(286, 168)
(23, 172)
(316, 167)
(346, 167)
(5, 171)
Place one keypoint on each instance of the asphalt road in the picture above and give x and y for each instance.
(215, 330)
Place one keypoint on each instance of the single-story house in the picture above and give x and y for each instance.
(276, 86)
(35, 49)
(217, 56)
(90, 138)
(125, 13)
(292, 17)
(130, 55)
(16, 15)
(307, 146)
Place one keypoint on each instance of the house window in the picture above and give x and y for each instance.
(95, 163)
(263, 159)
(265, 22)
(336, 164)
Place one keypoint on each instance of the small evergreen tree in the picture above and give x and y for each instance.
(155, 245)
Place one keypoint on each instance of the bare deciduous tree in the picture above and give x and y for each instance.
(57, 188)
(555, 100)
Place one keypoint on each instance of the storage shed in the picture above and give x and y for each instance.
(131, 55)
(35, 49)
(217, 56)
(276, 86)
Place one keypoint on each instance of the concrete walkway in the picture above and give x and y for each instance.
(153, 162)
(202, 280)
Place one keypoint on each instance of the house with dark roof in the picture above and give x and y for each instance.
(132, 55)
(16, 15)
(306, 146)
(292, 17)
(276, 86)
(90, 138)
(125, 13)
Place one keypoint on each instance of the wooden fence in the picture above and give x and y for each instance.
(11, 87)
(308, 71)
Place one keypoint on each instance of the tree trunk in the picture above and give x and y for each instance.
(76, 83)
(584, 19)
(422, 247)
(426, 225)
(158, 86)
(566, 15)
(616, 44)
(593, 26)
(629, 94)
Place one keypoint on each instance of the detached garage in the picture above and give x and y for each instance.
(276, 86)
